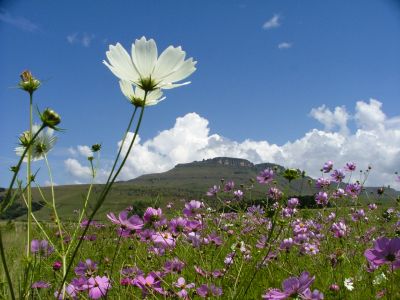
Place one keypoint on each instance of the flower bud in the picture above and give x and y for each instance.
(57, 265)
(25, 138)
(28, 82)
(96, 147)
(50, 118)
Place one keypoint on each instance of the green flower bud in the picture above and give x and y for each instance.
(50, 118)
(96, 147)
(25, 138)
(28, 82)
(14, 169)
(291, 174)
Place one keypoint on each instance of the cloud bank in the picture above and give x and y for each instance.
(375, 143)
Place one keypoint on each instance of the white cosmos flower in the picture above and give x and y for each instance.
(136, 95)
(43, 143)
(146, 69)
(349, 284)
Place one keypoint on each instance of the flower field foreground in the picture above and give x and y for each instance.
(219, 250)
(225, 245)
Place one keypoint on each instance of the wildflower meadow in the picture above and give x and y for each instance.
(224, 245)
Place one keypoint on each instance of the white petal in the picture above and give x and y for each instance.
(121, 63)
(168, 61)
(144, 56)
(185, 69)
(126, 89)
(168, 86)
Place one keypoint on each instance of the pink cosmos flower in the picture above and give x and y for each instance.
(181, 284)
(152, 215)
(339, 229)
(213, 191)
(97, 286)
(327, 166)
(42, 247)
(149, 284)
(209, 291)
(229, 186)
(126, 224)
(163, 239)
(265, 176)
(292, 287)
(385, 251)
(192, 208)
(350, 166)
(40, 285)
(321, 198)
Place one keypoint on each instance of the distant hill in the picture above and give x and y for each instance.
(186, 181)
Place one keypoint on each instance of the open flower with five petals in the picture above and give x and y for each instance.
(145, 69)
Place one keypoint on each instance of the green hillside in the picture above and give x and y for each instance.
(183, 182)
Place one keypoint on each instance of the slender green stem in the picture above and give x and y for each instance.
(120, 148)
(28, 180)
(4, 261)
(106, 189)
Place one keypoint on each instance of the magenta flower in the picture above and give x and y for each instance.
(322, 182)
(338, 175)
(353, 189)
(292, 287)
(177, 225)
(265, 176)
(163, 239)
(327, 166)
(293, 202)
(229, 186)
(181, 284)
(87, 268)
(40, 285)
(152, 215)
(57, 265)
(385, 251)
(174, 266)
(208, 291)
(339, 193)
(148, 284)
(321, 198)
(275, 193)
(42, 247)
(214, 239)
(286, 244)
(339, 229)
(192, 208)
(350, 166)
(213, 191)
(97, 286)
(127, 225)
(238, 194)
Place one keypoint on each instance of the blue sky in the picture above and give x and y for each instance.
(265, 68)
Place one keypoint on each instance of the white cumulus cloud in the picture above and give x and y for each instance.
(332, 119)
(375, 143)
